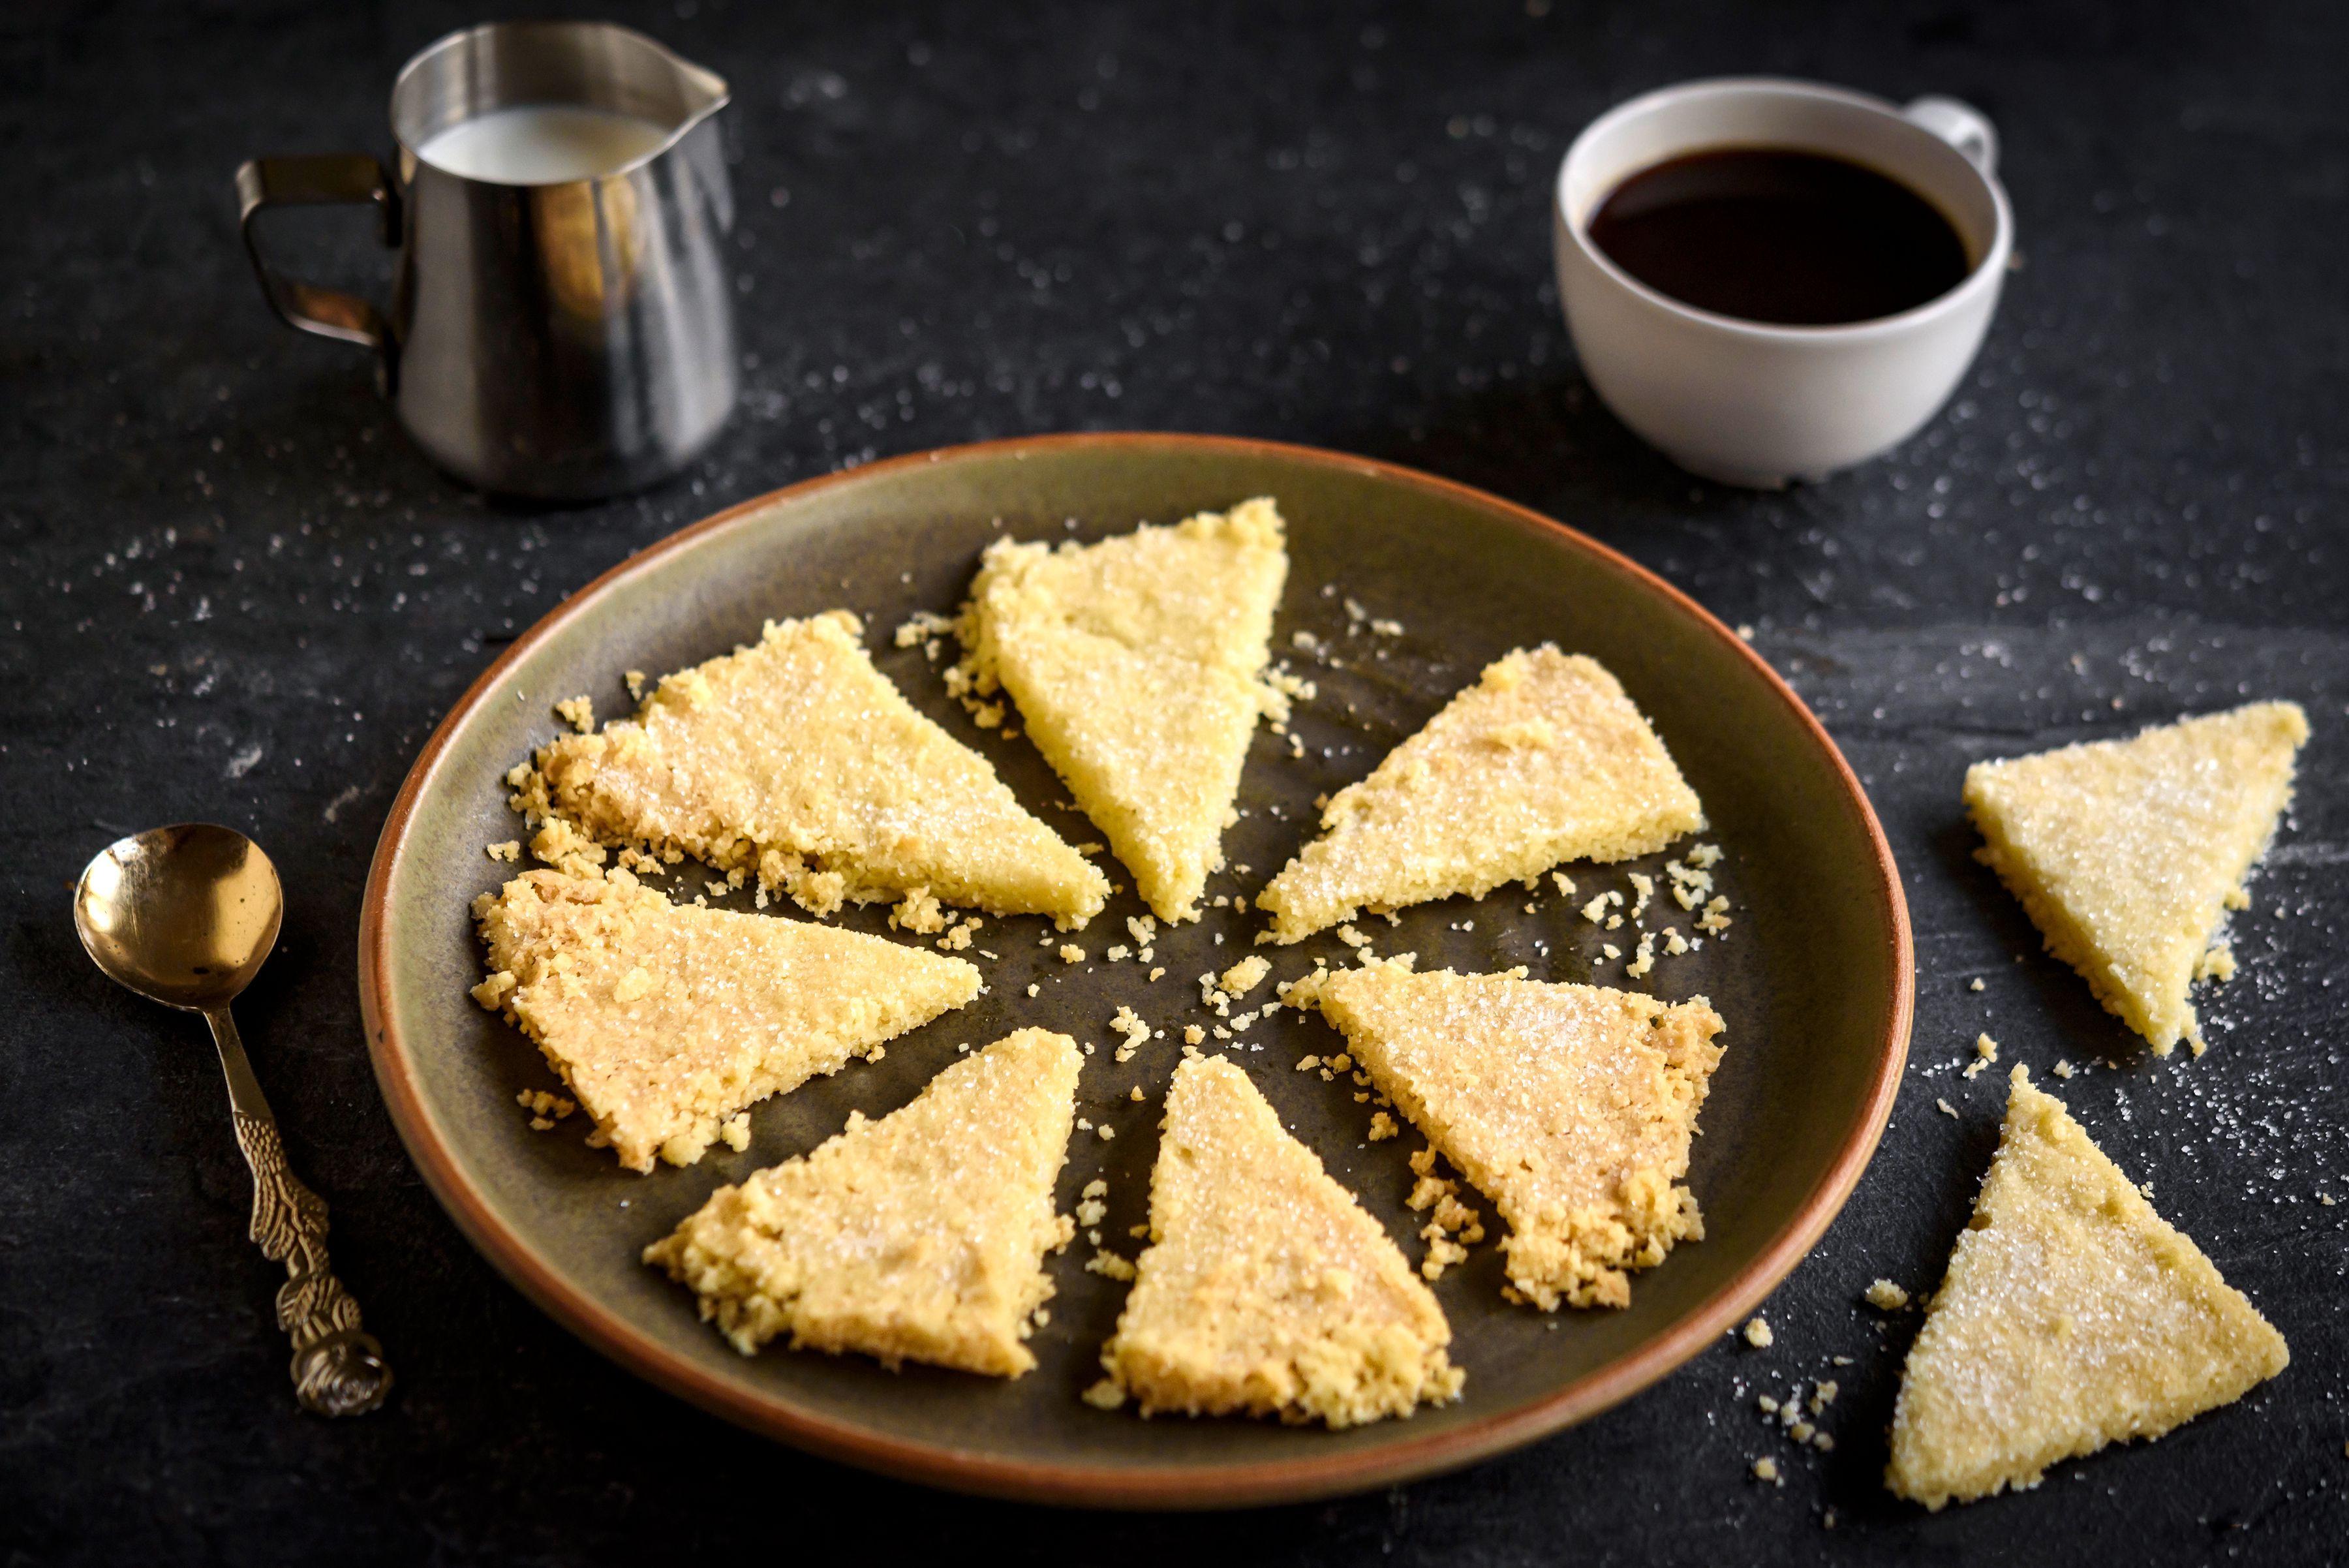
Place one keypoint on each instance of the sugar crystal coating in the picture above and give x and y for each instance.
(1570, 1106)
(1266, 1288)
(1543, 760)
(795, 758)
(2127, 853)
(918, 1237)
(2072, 1316)
(1138, 664)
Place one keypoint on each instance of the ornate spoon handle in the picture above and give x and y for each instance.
(339, 1369)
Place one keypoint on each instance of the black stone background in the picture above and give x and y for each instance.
(233, 592)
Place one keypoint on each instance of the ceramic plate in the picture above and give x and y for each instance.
(1814, 978)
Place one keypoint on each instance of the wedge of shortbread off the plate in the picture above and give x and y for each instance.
(2127, 854)
(2073, 1315)
(1266, 1289)
(1570, 1106)
(795, 760)
(1138, 664)
(918, 1237)
(665, 1020)
(1544, 760)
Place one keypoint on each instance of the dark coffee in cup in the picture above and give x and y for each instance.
(1781, 236)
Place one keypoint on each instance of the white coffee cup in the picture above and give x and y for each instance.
(1749, 403)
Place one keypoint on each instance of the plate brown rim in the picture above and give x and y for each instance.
(1193, 1487)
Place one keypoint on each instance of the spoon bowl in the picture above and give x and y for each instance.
(181, 915)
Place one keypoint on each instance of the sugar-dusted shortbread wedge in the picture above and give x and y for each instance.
(1544, 760)
(1266, 1288)
(2127, 854)
(795, 760)
(1570, 1106)
(1138, 664)
(2073, 1315)
(918, 1237)
(666, 1019)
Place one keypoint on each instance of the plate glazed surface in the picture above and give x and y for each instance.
(1814, 978)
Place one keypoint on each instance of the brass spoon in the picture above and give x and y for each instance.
(184, 916)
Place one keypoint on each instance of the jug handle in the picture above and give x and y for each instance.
(308, 181)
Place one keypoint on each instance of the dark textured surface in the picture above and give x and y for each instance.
(234, 594)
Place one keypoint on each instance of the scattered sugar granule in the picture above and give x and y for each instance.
(1117, 954)
(1801, 1431)
(1769, 1404)
(1105, 1132)
(1758, 1334)
(1193, 1035)
(1564, 882)
(1765, 1469)
(1104, 1394)
(1886, 1296)
(1071, 953)
(1825, 1444)
(635, 682)
(1645, 887)
(1383, 1126)
(1946, 1109)
(2063, 1068)
(1977, 985)
(1352, 938)
(1715, 917)
(1611, 950)
(578, 713)
(1823, 1393)
(1032, 988)
(735, 1131)
(1307, 1064)
(510, 850)
(1704, 856)
(1594, 911)
(1675, 944)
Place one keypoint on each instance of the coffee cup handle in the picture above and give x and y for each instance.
(306, 182)
(1961, 125)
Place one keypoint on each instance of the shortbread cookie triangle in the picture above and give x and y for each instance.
(1266, 1289)
(795, 760)
(1138, 665)
(1571, 1107)
(664, 1020)
(2127, 854)
(918, 1237)
(2073, 1315)
(1543, 760)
